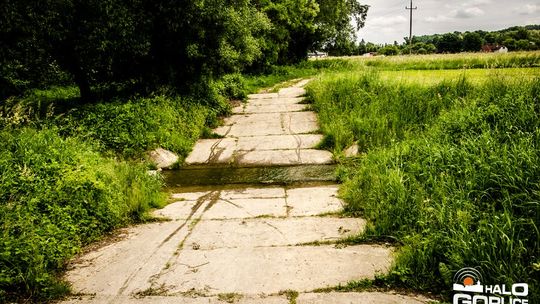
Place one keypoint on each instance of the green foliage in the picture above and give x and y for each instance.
(144, 45)
(472, 42)
(56, 196)
(124, 127)
(278, 74)
(141, 124)
(335, 32)
(451, 170)
(232, 86)
(389, 50)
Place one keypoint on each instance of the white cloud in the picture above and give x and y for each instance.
(527, 9)
(386, 21)
(469, 12)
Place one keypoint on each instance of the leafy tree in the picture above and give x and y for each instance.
(197, 39)
(389, 50)
(510, 43)
(472, 42)
(337, 23)
(449, 43)
(523, 45)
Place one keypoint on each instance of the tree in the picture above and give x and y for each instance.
(472, 42)
(337, 23)
(389, 50)
(449, 43)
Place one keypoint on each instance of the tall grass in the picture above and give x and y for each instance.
(456, 61)
(56, 195)
(452, 170)
(305, 69)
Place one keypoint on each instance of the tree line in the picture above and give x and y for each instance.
(516, 38)
(146, 44)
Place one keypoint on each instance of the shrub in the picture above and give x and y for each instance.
(57, 195)
(138, 125)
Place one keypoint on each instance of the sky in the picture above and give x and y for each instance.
(388, 20)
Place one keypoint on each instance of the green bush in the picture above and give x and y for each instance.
(138, 125)
(451, 170)
(232, 86)
(57, 195)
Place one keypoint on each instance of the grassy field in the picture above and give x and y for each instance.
(449, 164)
(452, 61)
(474, 76)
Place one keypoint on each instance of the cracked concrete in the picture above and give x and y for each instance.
(246, 244)
(269, 130)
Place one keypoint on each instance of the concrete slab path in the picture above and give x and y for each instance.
(241, 244)
(273, 129)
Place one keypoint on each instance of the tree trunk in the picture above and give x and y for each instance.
(81, 79)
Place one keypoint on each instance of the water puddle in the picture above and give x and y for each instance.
(215, 176)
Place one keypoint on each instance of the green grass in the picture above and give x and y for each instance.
(306, 69)
(453, 61)
(57, 195)
(449, 168)
(474, 76)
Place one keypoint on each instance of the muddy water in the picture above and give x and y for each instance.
(216, 176)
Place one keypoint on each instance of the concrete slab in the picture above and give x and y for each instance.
(218, 151)
(178, 211)
(277, 101)
(176, 299)
(263, 96)
(359, 298)
(246, 208)
(270, 108)
(252, 127)
(272, 232)
(284, 157)
(162, 158)
(291, 92)
(113, 269)
(313, 200)
(188, 196)
(263, 124)
(301, 122)
(247, 193)
(279, 142)
(272, 269)
(302, 83)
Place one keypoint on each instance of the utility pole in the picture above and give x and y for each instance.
(411, 8)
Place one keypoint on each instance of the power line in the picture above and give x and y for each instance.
(411, 8)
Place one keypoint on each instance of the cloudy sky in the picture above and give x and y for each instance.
(388, 20)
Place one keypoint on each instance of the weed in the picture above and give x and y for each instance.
(291, 295)
(230, 297)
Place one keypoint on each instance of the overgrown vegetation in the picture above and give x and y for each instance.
(450, 169)
(58, 195)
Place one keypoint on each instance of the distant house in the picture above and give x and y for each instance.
(494, 48)
(370, 54)
(317, 54)
(503, 49)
